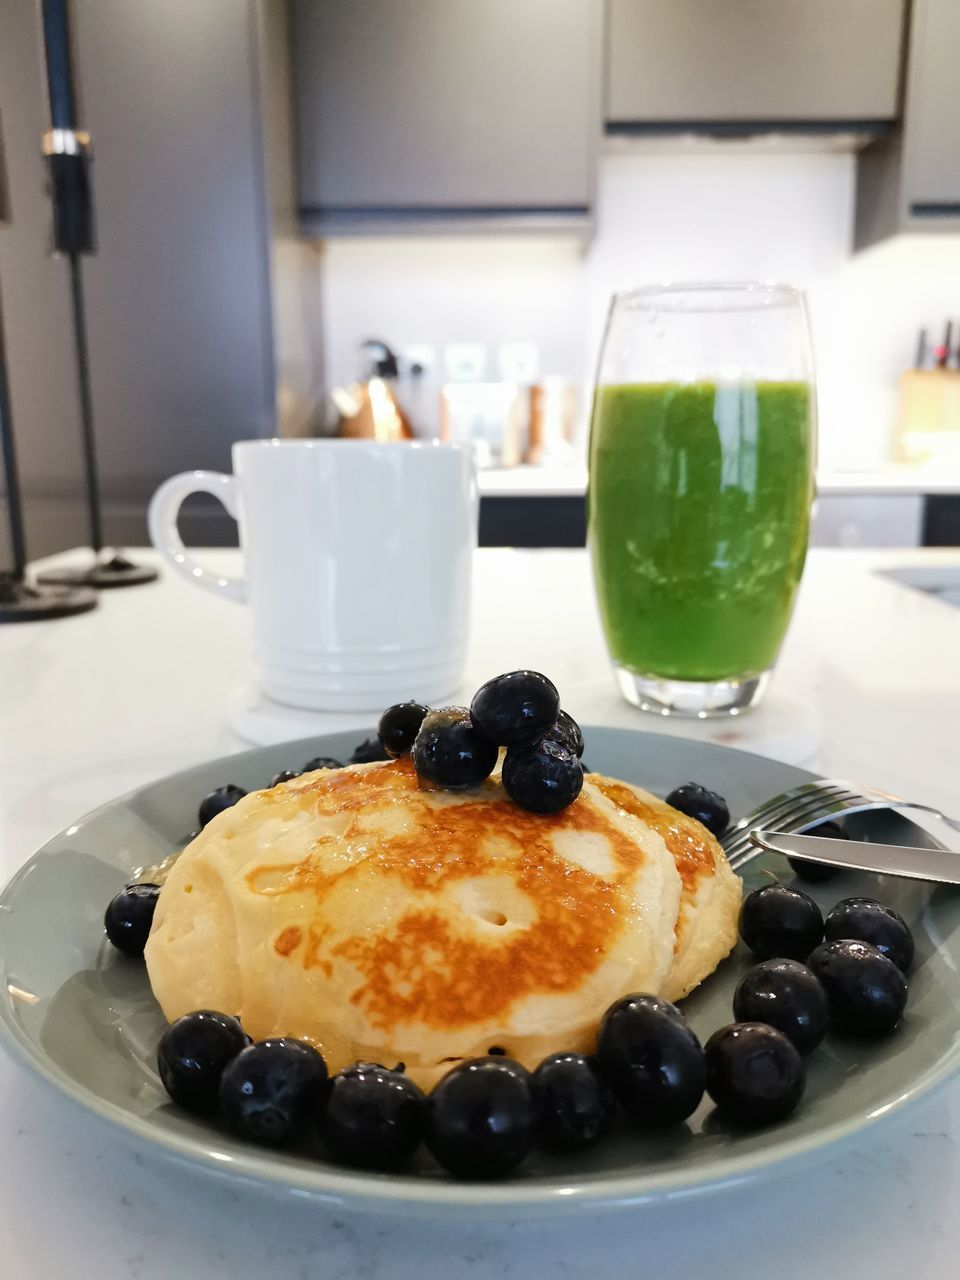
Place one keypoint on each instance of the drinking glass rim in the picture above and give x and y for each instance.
(720, 295)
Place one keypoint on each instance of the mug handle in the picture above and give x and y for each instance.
(162, 522)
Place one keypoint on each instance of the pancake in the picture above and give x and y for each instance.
(711, 893)
(386, 921)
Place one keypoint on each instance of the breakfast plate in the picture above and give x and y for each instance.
(84, 1018)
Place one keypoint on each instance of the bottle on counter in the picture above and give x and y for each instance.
(369, 410)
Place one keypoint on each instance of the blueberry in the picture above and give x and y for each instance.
(867, 992)
(321, 762)
(515, 708)
(652, 1060)
(567, 732)
(369, 752)
(818, 872)
(450, 753)
(272, 1090)
(399, 726)
(285, 775)
(575, 1105)
(217, 801)
(544, 777)
(780, 921)
(193, 1053)
(129, 917)
(481, 1118)
(786, 995)
(373, 1117)
(870, 921)
(754, 1074)
(708, 807)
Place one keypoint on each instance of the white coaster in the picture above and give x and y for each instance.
(259, 720)
(779, 728)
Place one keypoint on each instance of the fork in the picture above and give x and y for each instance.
(807, 806)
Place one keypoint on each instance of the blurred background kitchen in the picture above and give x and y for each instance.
(402, 217)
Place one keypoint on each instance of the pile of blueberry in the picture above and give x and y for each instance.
(457, 747)
(847, 970)
(486, 1115)
(480, 1121)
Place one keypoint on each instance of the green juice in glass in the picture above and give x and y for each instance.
(698, 516)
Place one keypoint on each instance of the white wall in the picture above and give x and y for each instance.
(710, 213)
(880, 299)
(447, 289)
(721, 214)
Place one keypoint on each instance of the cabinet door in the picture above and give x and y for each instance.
(674, 61)
(868, 520)
(932, 134)
(482, 105)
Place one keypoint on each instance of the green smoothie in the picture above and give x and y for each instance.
(698, 514)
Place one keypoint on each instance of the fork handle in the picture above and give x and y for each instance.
(953, 823)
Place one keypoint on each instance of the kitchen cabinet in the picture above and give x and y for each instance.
(932, 146)
(717, 62)
(911, 181)
(883, 520)
(446, 112)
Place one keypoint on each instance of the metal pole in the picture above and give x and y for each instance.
(11, 473)
(86, 404)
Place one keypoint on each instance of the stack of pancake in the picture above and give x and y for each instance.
(385, 921)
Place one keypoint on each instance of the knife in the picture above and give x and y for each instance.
(941, 865)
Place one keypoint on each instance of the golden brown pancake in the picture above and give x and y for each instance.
(706, 930)
(383, 920)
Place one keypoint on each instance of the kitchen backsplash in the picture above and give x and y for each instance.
(707, 214)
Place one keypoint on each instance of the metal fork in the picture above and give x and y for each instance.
(807, 806)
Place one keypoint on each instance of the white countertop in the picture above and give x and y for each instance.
(95, 705)
(571, 481)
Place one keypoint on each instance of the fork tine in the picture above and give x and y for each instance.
(816, 805)
(799, 809)
(796, 819)
(771, 812)
(802, 807)
(802, 812)
(747, 852)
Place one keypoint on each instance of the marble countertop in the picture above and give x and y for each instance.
(868, 686)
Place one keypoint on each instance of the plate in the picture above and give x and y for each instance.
(84, 1018)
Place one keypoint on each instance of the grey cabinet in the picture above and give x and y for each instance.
(717, 61)
(867, 520)
(911, 180)
(931, 130)
(433, 110)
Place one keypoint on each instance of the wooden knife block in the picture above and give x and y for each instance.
(928, 422)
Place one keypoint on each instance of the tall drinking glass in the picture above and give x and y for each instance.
(702, 450)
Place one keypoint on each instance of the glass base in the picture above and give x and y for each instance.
(696, 699)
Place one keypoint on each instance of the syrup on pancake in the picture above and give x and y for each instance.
(425, 967)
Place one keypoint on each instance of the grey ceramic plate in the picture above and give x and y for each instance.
(85, 1019)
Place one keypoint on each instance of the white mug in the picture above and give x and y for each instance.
(358, 560)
